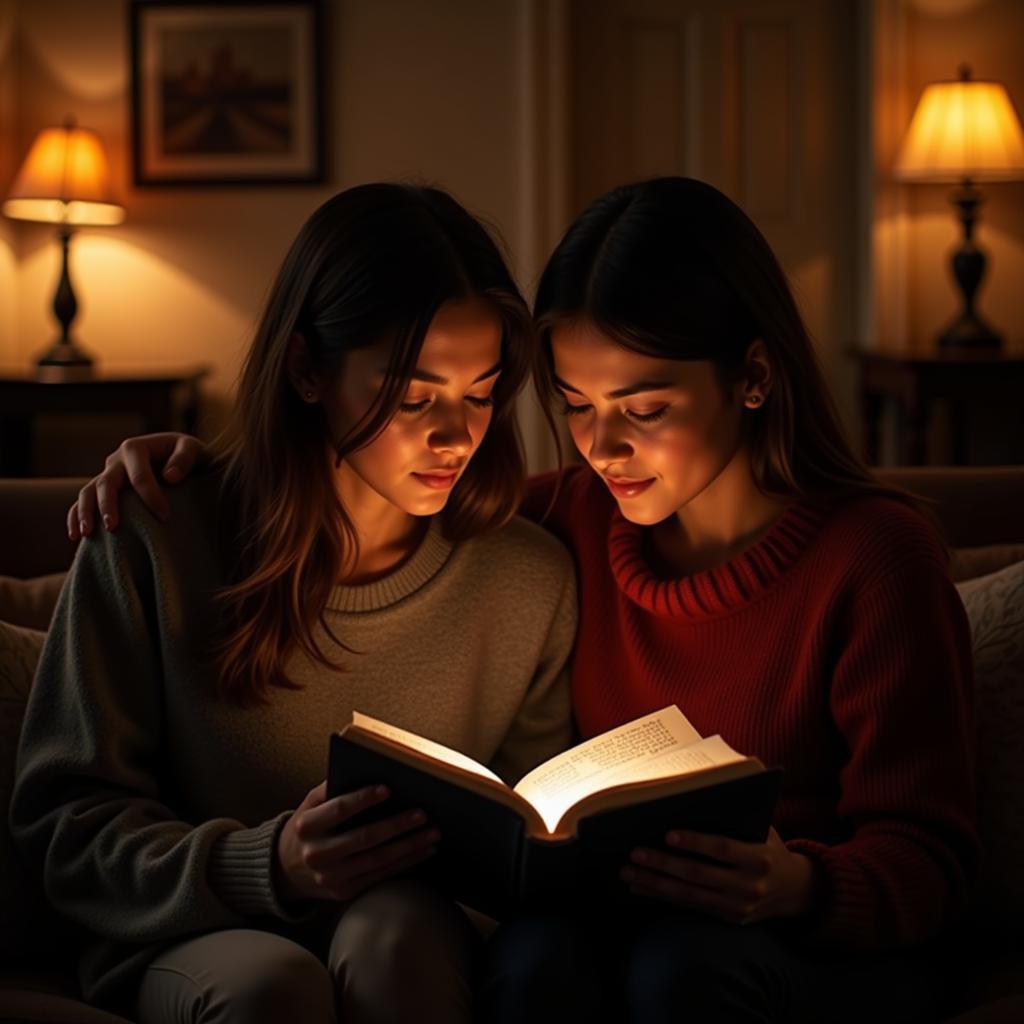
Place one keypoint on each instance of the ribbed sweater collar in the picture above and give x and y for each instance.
(422, 566)
(721, 589)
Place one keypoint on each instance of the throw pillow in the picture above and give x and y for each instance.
(995, 608)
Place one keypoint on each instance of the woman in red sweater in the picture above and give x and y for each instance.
(736, 558)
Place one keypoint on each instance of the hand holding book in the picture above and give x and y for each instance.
(319, 856)
(568, 827)
(738, 882)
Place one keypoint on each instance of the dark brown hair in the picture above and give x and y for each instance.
(672, 268)
(376, 261)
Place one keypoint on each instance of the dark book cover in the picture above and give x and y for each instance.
(487, 861)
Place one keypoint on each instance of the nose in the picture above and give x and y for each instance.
(449, 430)
(608, 442)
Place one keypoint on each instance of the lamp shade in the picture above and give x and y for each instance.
(962, 129)
(64, 180)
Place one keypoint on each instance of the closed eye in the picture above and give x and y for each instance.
(568, 409)
(414, 407)
(647, 417)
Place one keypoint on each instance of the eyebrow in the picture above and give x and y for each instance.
(629, 389)
(435, 378)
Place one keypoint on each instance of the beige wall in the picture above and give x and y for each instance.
(915, 228)
(417, 90)
(8, 251)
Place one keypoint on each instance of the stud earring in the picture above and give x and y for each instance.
(754, 401)
(309, 396)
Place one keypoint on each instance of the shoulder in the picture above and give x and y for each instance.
(875, 536)
(522, 545)
(193, 524)
(519, 568)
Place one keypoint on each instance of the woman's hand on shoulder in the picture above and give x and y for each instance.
(320, 856)
(133, 464)
(742, 883)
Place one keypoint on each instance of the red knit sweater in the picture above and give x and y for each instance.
(836, 647)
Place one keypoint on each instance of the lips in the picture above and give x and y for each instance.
(623, 487)
(438, 479)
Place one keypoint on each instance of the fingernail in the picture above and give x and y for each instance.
(108, 521)
(172, 473)
(418, 817)
(381, 791)
(82, 527)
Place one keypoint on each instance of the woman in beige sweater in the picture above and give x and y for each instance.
(351, 547)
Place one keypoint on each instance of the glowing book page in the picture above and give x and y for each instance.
(435, 751)
(660, 745)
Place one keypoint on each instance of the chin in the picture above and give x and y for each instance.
(643, 515)
(427, 505)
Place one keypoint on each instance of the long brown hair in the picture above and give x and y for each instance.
(674, 269)
(376, 261)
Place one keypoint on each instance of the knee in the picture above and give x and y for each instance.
(283, 981)
(538, 967)
(704, 963)
(227, 977)
(530, 950)
(394, 930)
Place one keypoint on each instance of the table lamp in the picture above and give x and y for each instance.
(964, 131)
(65, 181)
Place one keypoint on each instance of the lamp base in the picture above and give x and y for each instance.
(968, 331)
(64, 361)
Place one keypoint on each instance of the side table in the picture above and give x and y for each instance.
(968, 381)
(165, 399)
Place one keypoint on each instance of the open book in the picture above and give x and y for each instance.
(570, 824)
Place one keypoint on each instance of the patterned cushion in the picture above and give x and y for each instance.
(30, 927)
(995, 608)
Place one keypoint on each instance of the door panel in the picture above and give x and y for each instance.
(757, 98)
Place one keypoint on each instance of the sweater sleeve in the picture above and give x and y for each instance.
(900, 697)
(543, 723)
(88, 808)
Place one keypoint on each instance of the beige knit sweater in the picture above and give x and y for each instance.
(152, 809)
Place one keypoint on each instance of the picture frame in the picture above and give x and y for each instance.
(227, 92)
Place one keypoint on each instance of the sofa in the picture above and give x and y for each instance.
(981, 511)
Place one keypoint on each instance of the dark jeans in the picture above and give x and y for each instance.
(657, 966)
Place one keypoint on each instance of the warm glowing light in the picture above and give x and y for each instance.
(962, 129)
(64, 180)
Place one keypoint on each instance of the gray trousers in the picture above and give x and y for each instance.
(400, 952)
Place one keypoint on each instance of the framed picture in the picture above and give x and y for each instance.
(226, 92)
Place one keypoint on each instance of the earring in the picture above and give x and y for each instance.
(309, 396)
(753, 401)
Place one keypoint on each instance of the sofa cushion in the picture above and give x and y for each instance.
(31, 1006)
(30, 602)
(995, 608)
(34, 928)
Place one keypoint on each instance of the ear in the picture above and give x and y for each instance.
(299, 366)
(756, 381)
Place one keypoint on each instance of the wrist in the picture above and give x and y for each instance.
(285, 891)
(806, 885)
